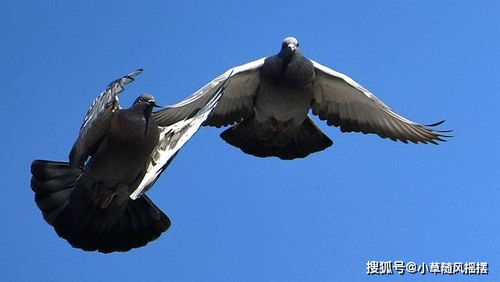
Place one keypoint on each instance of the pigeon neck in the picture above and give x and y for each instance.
(147, 115)
(288, 57)
(146, 110)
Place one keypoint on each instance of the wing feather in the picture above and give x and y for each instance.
(96, 121)
(171, 140)
(343, 102)
(237, 101)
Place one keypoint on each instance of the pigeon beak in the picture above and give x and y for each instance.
(292, 47)
(153, 104)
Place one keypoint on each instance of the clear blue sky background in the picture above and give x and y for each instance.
(237, 217)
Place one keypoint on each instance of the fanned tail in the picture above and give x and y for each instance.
(67, 205)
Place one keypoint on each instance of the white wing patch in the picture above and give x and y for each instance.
(171, 139)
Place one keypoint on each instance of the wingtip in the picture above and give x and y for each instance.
(129, 77)
(436, 123)
(223, 86)
(439, 136)
(226, 81)
(136, 72)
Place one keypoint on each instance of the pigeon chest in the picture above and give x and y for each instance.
(297, 72)
(133, 131)
(125, 150)
(284, 94)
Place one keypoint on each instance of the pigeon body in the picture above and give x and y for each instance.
(285, 92)
(268, 100)
(280, 125)
(96, 212)
(122, 154)
(96, 200)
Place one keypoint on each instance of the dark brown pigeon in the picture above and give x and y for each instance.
(96, 200)
(268, 100)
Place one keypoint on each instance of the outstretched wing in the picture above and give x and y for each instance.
(171, 139)
(343, 102)
(96, 122)
(236, 104)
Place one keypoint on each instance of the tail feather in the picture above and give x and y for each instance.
(67, 205)
(53, 183)
(250, 137)
(47, 170)
(140, 223)
(53, 203)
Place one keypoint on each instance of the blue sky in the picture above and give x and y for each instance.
(240, 218)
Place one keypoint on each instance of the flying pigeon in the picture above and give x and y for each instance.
(267, 103)
(96, 200)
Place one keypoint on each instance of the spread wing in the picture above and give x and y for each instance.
(237, 101)
(96, 122)
(343, 102)
(172, 138)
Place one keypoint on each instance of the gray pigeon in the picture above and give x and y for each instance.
(96, 200)
(268, 100)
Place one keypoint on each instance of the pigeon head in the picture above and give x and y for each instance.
(146, 99)
(289, 45)
(145, 102)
